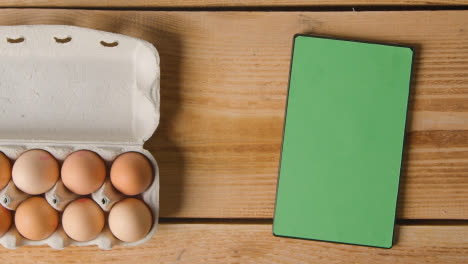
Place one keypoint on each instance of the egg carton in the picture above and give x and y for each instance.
(59, 197)
(65, 88)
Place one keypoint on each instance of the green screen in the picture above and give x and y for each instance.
(343, 141)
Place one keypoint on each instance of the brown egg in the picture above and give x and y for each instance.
(5, 220)
(83, 172)
(35, 172)
(130, 220)
(131, 173)
(83, 220)
(35, 219)
(5, 170)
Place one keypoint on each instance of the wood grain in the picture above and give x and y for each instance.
(223, 93)
(254, 243)
(222, 3)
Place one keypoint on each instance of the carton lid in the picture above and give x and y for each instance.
(71, 84)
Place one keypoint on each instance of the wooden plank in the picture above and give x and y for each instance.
(254, 243)
(223, 91)
(224, 3)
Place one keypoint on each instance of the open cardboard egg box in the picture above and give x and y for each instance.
(65, 88)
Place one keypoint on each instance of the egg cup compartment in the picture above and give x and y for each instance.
(11, 196)
(107, 196)
(64, 89)
(59, 196)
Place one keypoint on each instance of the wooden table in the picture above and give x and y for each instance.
(223, 93)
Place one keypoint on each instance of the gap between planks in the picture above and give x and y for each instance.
(259, 9)
(285, 7)
(249, 221)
